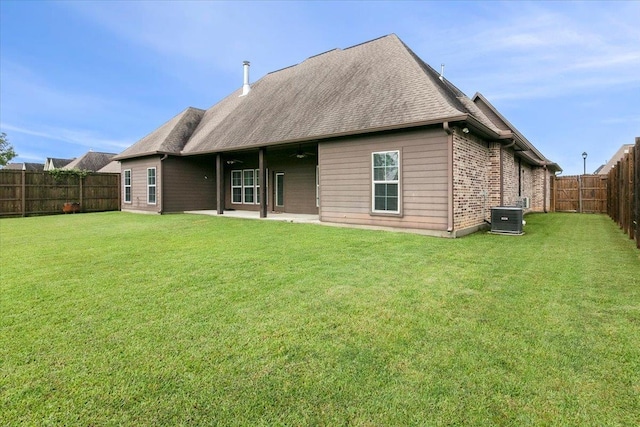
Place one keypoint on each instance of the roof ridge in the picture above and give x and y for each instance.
(322, 53)
(332, 50)
(178, 130)
(448, 91)
(373, 40)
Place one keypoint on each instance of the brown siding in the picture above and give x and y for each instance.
(492, 115)
(138, 168)
(299, 181)
(345, 180)
(189, 183)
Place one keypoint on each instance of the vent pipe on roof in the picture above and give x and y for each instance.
(245, 86)
(441, 71)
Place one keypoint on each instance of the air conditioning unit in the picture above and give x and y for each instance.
(523, 202)
(507, 220)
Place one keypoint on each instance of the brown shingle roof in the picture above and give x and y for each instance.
(111, 167)
(375, 85)
(91, 161)
(58, 163)
(169, 138)
(27, 166)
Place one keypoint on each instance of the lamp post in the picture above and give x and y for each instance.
(584, 158)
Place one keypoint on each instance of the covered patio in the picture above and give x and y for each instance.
(273, 216)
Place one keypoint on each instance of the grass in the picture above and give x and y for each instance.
(122, 319)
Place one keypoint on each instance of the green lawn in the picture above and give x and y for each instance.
(124, 319)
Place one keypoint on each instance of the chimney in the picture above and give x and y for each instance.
(245, 86)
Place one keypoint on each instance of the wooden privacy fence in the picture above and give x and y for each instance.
(579, 193)
(27, 193)
(623, 201)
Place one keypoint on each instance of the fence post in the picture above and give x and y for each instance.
(81, 191)
(119, 182)
(636, 189)
(23, 194)
(580, 193)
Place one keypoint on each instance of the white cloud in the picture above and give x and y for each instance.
(527, 50)
(79, 137)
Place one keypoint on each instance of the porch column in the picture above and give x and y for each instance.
(219, 185)
(262, 165)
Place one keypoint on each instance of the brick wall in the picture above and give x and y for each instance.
(494, 174)
(509, 178)
(471, 173)
(537, 197)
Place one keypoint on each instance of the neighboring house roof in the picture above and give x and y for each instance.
(604, 170)
(111, 167)
(25, 166)
(374, 86)
(91, 161)
(53, 163)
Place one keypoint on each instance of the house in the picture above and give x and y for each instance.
(34, 167)
(604, 169)
(53, 163)
(90, 161)
(111, 167)
(368, 135)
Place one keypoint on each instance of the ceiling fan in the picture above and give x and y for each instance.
(301, 154)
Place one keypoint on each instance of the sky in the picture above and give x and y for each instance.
(100, 75)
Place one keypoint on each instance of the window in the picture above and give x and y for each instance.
(245, 186)
(386, 173)
(236, 186)
(249, 187)
(151, 186)
(127, 186)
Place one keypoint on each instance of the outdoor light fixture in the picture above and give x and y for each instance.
(465, 130)
(232, 162)
(584, 158)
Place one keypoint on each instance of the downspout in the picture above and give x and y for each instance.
(161, 183)
(544, 188)
(450, 221)
(511, 144)
(519, 177)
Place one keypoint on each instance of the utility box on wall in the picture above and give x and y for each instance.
(508, 220)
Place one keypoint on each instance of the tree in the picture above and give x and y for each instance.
(6, 150)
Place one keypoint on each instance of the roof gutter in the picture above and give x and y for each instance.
(120, 157)
(316, 138)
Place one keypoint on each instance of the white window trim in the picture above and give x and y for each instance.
(253, 187)
(125, 186)
(374, 182)
(154, 186)
(242, 187)
(237, 186)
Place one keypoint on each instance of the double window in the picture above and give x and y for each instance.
(151, 186)
(386, 182)
(245, 186)
(127, 186)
